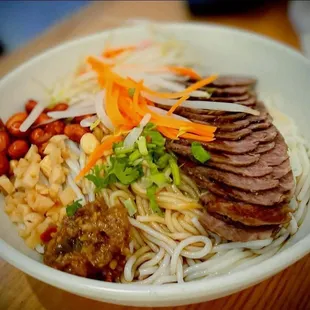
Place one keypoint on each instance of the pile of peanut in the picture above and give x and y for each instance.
(14, 144)
(36, 195)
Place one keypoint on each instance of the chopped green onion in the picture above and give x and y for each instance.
(94, 124)
(199, 152)
(134, 156)
(71, 209)
(151, 146)
(152, 166)
(156, 137)
(131, 92)
(151, 193)
(137, 162)
(130, 206)
(142, 146)
(149, 126)
(146, 182)
(175, 171)
(162, 162)
(120, 155)
(159, 179)
(117, 145)
(123, 150)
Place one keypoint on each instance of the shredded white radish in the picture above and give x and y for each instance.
(87, 122)
(164, 112)
(135, 133)
(100, 110)
(72, 112)
(34, 114)
(206, 105)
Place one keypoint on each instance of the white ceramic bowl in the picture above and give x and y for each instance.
(280, 70)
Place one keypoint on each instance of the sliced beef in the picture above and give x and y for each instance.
(265, 147)
(209, 118)
(263, 198)
(264, 136)
(235, 233)
(233, 81)
(281, 170)
(234, 135)
(248, 214)
(255, 170)
(234, 180)
(278, 154)
(287, 183)
(234, 160)
(248, 179)
(234, 99)
(246, 145)
(229, 159)
(228, 91)
(259, 126)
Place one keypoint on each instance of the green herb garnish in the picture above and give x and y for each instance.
(73, 207)
(199, 152)
(151, 194)
(130, 206)
(175, 171)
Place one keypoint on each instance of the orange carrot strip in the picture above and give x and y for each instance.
(196, 137)
(187, 91)
(97, 154)
(112, 95)
(125, 107)
(168, 132)
(177, 104)
(113, 52)
(169, 122)
(185, 71)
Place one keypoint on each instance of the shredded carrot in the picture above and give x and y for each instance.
(97, 154)
(177, 104)
(169, 122)
(113, 52)
(185, 71)
(112, 96)
(196, 137)
(187, 91)
(125, 107)
(168, 132)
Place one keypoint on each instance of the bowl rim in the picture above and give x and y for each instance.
(218, 286)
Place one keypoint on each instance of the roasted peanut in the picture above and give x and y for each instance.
(60, 107)
(14, 123)
(55, 128)
(2, 126)
(4, 141)
(41, 119)
(18, 149)
(4, 164)
(41, 148)
(18, 117)
(30, 105)
(57, 107)
(39, 136)
(15, 131)
(78, 119)
(75, 132)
